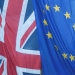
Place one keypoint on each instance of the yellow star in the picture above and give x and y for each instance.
(56, 8)
(74, 26)
(47, 7)
(67, 15)
(56, 47)
(64, 55)
(49, 35)
(72, 57)
(45, 22)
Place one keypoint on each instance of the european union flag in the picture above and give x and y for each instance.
(55, 21)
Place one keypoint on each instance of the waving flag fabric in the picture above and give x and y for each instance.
(55, 20)
(19, 53)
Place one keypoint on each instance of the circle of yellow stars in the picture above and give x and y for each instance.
(49, 35)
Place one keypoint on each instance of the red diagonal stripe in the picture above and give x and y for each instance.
(27, 33)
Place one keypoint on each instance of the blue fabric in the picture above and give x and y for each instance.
(34, 41)
(0, 60)
(29, 10)
(29, 74)
(1, 4)
(63, 36)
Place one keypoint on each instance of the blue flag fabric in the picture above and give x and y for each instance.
(55, 21)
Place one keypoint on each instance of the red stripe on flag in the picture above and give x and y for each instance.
(31, 61)
(2, 49)
(27, 33)
(15, 58)
(19, 59)
(11, 27)
(12, 21)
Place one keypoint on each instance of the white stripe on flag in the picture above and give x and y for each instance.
(26, 70)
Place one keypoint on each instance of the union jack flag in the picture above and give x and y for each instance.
(19, 53)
